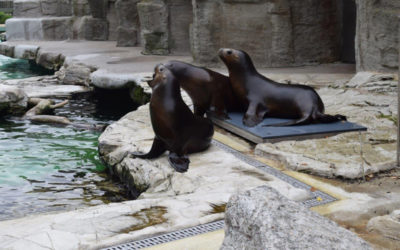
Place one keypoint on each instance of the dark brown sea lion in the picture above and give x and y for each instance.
(210, 91)
(176, 128)
(267, 97)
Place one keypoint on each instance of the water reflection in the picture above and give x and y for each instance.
(49, 168)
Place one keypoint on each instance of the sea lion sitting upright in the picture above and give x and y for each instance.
(209, 90)
(267, 97)
(176, 128)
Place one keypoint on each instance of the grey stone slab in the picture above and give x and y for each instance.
(261, 218)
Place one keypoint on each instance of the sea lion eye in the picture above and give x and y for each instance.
(229, 52)
(161, 69)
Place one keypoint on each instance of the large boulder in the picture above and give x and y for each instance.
(387, 225)
(13, 100)
(263, 219)
(49, 60)
(75, 73)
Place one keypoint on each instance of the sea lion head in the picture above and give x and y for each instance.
(176, 66)
(236, 59)
(159, 76)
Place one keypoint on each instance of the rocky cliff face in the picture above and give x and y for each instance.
(377, 39)
(274, 32)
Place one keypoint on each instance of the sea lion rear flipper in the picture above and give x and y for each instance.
(157, 149)
(302, 120)
(179, 163)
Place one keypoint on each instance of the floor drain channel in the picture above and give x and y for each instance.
(168, 237)
(318, 198)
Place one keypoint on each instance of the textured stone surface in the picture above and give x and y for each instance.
(98, 8)
(52, 61)
(7, 50)
(377, 39)
(80, 8)
(263, 219)
(153, 17)
(56, 7)
(179, 25)
(285, 32)
(371, 101)
(57, 28)
(45, 87)
(93, 29)
(27, 8)
(387, 225)
(13, 100)
(46, 28)
(128, 22)
(24, 29)
(105, 80)
(28, 52)
(75, 74)
(156, 178)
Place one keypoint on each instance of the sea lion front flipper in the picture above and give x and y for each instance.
(221, 114)
(157, 149)
(179, 163)
(254, 114)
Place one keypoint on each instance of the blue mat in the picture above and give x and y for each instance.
(262, 133)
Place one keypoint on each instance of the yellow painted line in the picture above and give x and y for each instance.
(210, 241)
(305, 178)
(230, 142)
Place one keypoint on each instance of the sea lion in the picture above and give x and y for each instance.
(267, 97)
(176, 128)
(210, 91)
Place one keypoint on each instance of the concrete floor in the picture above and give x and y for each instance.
(129, 60)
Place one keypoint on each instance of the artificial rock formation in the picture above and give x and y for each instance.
(387, 225)
(377, 39)
(274, 32)
(285, 32)
(261, 218)
(13, 100)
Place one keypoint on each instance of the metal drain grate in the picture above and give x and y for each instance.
(164, 238)
(319, 198)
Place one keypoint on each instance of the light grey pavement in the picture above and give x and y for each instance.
(128, 60)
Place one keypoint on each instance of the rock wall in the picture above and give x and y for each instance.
(274, 33)
(377, 39)
(58, 20)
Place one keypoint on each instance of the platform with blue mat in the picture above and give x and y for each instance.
(262, 133)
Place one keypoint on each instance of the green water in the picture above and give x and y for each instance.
(47, 168)
(11, 68)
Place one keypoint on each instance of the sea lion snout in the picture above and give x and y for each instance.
(222, 52)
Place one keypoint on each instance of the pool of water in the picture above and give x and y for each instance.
(11, 68)
(47, 168)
